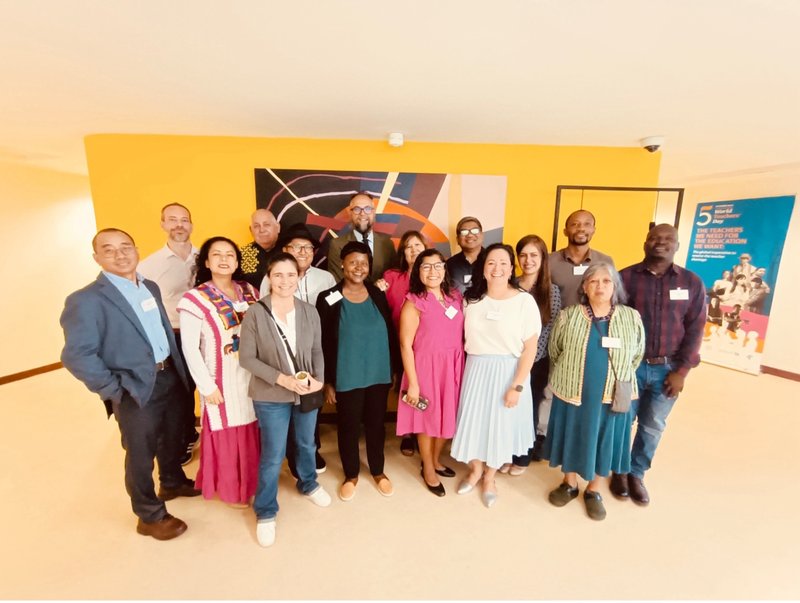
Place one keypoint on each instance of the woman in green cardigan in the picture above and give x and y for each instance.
(592, 345)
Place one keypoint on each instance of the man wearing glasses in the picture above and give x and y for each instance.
(119, 343)
(362, 218)
(469, 234)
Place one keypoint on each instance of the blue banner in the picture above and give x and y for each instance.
(736, 249)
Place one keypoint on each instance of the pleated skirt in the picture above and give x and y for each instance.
(485, 429)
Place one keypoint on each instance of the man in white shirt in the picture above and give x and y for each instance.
(173, 268)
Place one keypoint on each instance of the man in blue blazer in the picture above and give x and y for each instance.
(119, 343)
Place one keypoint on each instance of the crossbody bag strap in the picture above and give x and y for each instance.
(280, 332)
(610, 359)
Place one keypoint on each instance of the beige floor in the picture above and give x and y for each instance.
(723, 524)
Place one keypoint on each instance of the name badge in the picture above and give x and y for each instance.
(493, 316)
(450, 312)
(677, 294)
(611, 342)
(467, 279)
(333, 297)
(149, 304)
(579, 270)
(240, 306)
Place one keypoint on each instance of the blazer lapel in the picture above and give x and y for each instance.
(113, 295)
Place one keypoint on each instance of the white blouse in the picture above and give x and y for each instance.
(501, 326)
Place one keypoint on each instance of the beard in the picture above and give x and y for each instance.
(362, 228)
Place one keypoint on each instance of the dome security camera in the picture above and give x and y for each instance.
(652, 143)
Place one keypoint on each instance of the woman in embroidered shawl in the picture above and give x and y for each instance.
(210, 320)
(593, 345)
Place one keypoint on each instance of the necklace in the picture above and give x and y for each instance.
(599, 318)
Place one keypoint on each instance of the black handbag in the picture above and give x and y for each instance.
(308, 402)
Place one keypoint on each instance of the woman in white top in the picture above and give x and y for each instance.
(495, 415)
(298, 242)
(210, 317)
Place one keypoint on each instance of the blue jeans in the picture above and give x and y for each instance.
(651, 410)
(273, 419)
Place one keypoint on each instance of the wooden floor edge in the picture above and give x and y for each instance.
(30, 373)
(768, 370)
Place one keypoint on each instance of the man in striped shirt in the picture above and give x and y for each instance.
(671, 301)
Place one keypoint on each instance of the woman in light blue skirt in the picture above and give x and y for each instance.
(495, 415)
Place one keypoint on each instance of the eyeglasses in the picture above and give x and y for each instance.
(437, 266)
(359, 210)
(467, 231)
(110, 252)
(301, 248)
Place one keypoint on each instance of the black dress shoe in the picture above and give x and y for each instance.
(185, 489)
(538, 449)
(438, 489)
(619, 486)
(445, 472)
(639, 493)
(407, 445)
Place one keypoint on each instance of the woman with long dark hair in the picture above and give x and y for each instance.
(495, 415)
(432, 349)
(210, 317)
(394, 284)
(535, 279)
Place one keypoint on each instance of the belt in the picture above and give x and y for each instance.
(658, 360)
(164, 364)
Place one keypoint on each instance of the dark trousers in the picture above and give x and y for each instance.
(152, 431)
(291, 445)
(189, 421)
(539, 375)
(367, 404)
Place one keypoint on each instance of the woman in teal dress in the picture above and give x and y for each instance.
(593, 344)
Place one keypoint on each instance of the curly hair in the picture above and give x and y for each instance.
(203, 272)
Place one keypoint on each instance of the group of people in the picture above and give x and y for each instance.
(556, 363)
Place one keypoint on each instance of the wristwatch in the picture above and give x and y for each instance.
(518, 388)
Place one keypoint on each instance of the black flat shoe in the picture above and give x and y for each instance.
(408, 445)
(438, 489)
(445, 472)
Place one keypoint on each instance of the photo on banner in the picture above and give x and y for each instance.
(736, 249)
(429, 203)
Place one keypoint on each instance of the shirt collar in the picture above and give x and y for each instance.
(121, 280)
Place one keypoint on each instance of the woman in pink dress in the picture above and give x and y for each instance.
(395, 284)
(210, 317)
(432, 348)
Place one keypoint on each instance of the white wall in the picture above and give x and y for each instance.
(46, 227)
(781, 347)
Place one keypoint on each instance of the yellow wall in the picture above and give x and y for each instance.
(132, 176)
(46, 228)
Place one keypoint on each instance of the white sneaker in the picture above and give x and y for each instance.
(320, 497)
(265, 533)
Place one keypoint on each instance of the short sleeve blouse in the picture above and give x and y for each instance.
(501, 326)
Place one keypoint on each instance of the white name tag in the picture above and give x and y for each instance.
(611, 342)
(579, 270)
(240, 306)
(467, 279)
(450, 312)
(149, 304)
(678, 294)
(333, 297)
(493, 316)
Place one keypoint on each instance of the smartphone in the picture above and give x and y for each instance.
(422, 403)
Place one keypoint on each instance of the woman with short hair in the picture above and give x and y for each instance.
(594, 345)
(359, 343)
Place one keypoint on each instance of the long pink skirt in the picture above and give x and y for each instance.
(229, 462)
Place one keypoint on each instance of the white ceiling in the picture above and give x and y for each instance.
(718, 78)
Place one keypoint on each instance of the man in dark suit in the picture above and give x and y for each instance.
(362, 217)
(119, 343)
